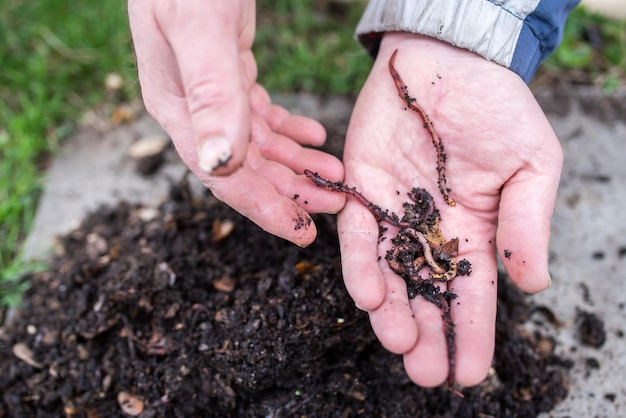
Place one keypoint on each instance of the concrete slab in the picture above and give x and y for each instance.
(588, 261)
(588, 244)
(93, 169)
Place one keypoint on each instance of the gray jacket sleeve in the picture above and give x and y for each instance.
(517, 34)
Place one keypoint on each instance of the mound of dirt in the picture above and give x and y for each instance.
(191, 310)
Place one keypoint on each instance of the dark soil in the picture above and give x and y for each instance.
(590, 329)
(173, 314)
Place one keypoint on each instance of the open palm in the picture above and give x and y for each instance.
(503, 166)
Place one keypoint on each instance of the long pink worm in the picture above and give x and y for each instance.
(337, 186)
(411, 103)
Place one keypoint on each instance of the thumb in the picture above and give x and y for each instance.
(523, 236)
(205, 39)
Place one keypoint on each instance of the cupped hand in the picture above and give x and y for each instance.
(198, 79)
(503, 167)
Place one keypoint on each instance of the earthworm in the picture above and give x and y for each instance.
(410, 268)
(428, 254)
(411, 103)
(337, 186)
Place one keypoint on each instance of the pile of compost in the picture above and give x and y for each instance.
(191, 310)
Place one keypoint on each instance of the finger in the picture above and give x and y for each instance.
(393, 322)
(523, 233)
(302, 129)
(473, 315)
(254, 197)
(205, 38)
(299, 188)
(284, 150)
(156, 66)
(474, 308)
(474, 312)
(282, 158)
(358, 241)
(426, 363)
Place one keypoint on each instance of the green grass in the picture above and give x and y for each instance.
(593, 47)
(309, 45)
(55, 55)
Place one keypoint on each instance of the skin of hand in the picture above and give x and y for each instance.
(503, 168)
(198, 79)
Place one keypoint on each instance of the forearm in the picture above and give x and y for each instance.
(518, 35)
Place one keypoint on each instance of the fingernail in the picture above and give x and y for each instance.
(214, 153)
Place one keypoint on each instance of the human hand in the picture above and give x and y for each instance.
(503, 167)
(198, 79)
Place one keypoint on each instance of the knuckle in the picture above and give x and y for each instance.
(207, 94)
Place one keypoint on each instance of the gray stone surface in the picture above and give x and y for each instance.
(588, 249)
(91, 170)
(588, 254)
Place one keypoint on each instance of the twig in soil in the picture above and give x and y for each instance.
(411, 103)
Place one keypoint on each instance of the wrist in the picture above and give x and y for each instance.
(434, 59)
(516, 35)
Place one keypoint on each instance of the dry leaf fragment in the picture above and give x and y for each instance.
(148, 146)
(222, 229)
(131, 404)
(147, 214)
(172, 310)
(225, 284)
(158, 345)
(306, 267)
(96, 245)
(24, 353)
(359, 396)
(123, 113)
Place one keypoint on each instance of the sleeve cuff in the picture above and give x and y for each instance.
(517, 35)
